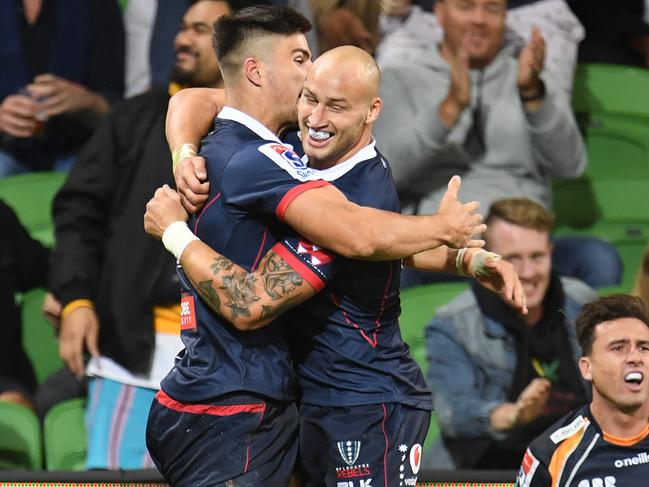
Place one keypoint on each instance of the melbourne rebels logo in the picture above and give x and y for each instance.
(349, 451)
(289, 156)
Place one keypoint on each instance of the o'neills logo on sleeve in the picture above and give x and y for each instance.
(187, 313)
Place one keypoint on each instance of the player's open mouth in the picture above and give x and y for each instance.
(319, 135)
(634, 378)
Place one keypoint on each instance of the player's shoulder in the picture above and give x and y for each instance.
(273, 157)
(570, 428)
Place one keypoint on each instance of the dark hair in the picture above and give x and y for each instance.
(604, 309)
(231, 31)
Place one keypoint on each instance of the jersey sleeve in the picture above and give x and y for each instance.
(314, 264)
(533, 472)
(265, 179)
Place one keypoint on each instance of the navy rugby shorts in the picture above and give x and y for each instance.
(233, 440)
(375, 445)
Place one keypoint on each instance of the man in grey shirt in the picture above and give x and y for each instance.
(500, 122)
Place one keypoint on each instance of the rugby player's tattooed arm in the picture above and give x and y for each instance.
(248, 300)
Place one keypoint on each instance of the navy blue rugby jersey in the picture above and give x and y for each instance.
(576, 452)
(347, 345)
(253, 178)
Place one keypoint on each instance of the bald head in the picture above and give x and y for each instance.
(353, 65)
(339, 105)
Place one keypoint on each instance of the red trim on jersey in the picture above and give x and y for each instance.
(372, 341)
(385, 451)
(203, 211)
(384, 299)
(211, 409)
(261, 247)
(293, 193)
(300, 267)
(245, 466)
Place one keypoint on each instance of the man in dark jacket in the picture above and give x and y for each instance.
(23, 265)
(117, 286)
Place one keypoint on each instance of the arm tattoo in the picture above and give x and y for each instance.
(221, 264)
(273, 312)
(240, 290)
(279, 278)
(209, 293)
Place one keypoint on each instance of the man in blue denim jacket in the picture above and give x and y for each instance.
(500, 378)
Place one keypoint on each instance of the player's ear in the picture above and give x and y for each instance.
(374, 111)
(584, 368)
(252, 70)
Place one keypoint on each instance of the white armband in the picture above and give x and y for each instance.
(177, 237)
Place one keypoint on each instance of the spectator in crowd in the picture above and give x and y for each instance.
(139, 17)
(603, 443)
(408, 31)
(354, 22)
(500, 122)
(23, 265)
(500, 378)
(63, 65)
(117, 286)
(616, 32)
(168, 15)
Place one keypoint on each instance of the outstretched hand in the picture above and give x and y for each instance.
(500, 277)
(463, 221)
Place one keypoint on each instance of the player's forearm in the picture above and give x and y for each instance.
(191, 114)
(441, 259)
(248, 300)
(327, 218)
(444, 259)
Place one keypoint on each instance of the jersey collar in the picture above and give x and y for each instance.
(229, 113)
(342, 168)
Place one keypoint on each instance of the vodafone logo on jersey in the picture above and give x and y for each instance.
(289, 156)
(415, 458)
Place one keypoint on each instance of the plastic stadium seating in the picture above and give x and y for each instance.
(31, 195)
(418, 306)
(20, 438)
(64, 436)
(607, 88)
(39, 339)
(610, 200)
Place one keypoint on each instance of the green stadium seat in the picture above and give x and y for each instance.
(612, 89)
(617, 148)
(418, 306)
(582, 203)
(64, 436)
(31, 195)
(614, 113)
(615, 211)
(20, 438)
(39, 339)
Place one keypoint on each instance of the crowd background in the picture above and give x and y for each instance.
(82, 149)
